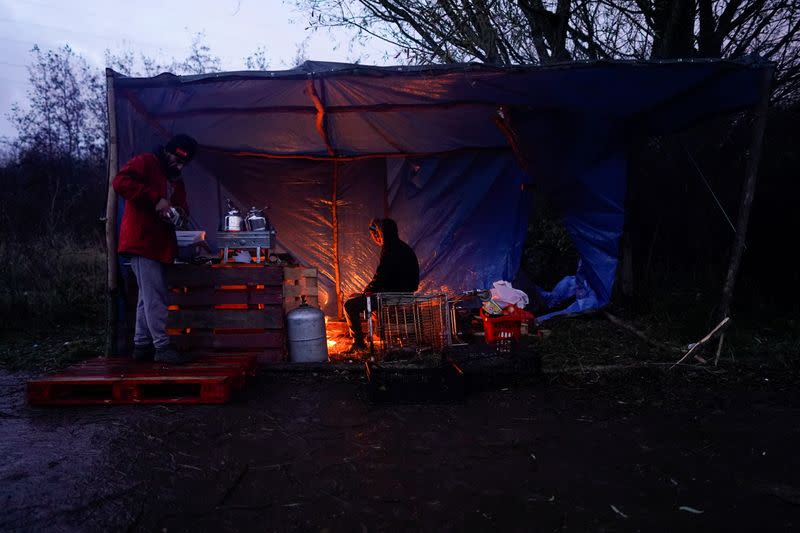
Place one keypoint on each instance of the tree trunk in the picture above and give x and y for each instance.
(747, 195)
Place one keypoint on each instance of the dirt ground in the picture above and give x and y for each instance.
(638, 449)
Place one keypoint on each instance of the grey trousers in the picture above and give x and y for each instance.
(151, 309)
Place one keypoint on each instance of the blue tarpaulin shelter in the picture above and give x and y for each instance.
(452, 152)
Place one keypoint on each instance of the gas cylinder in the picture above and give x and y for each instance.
(306, 329)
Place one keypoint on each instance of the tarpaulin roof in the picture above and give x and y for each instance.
(445, 150)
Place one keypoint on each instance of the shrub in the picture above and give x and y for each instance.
(50, 281)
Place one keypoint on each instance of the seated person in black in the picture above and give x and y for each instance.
(398, 271)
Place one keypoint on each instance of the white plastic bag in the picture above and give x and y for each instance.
(504, 294)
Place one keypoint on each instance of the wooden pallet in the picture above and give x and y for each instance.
(208, 380)
(299, 283)
(231, 308)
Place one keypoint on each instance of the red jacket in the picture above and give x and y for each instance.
(143, 182)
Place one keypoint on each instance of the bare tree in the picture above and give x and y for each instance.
(62, 124)
(200, 59)
(300, 53)
(58, 117)
(510, 32)
(58, 156)
(257, 60)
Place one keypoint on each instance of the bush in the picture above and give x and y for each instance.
(49, 281)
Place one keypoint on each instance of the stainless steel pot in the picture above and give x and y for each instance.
(233, 221)
(256, 221)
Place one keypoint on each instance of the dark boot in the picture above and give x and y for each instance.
(168, 354)
(359, 346)
(143, 352)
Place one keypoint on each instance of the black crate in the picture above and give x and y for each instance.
(408, 383)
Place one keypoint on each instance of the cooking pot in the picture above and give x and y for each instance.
(233, 221)
(256, 221)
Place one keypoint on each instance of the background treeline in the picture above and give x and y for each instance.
(53, 177)
(53, 185)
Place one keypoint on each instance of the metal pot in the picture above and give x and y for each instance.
(176, 217)
(233, 221)
(256, 221)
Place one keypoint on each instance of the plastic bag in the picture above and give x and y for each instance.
(504, 295)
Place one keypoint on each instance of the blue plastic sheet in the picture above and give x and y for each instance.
(422, 145)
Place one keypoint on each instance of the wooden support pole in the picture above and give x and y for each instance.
(112, 317)
(719, 348)
(747, 194)
(335, 222)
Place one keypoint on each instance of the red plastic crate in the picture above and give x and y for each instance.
(511, 323)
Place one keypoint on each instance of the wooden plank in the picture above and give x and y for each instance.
(222, 341)
(297, 273)
(216, 275)
(247, 361)
(225, 318)
(127, 369)
(76, 390)
(295, 291)
(120, 366)
(272, 355)
(209, 296)
(257, 357)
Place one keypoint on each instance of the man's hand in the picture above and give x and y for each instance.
(162, 207)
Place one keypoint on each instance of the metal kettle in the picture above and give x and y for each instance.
(256, 221)
(233, 220)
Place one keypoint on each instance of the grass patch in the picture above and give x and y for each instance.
(52, 302)
(50, 348)
(51, 281)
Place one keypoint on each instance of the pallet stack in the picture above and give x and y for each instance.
(299, 283)
(229, 316)
(224, 309)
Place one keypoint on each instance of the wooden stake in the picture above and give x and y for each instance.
(337, 277)
(719, 348)
(702, 341)
(111, 220)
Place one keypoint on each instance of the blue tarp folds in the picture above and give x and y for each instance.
(422, 145)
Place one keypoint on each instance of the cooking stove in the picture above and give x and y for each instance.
(238, 240)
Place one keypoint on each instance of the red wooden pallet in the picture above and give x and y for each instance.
(208, 379)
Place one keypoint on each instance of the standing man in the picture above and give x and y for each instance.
(398, 271)
(151, 185)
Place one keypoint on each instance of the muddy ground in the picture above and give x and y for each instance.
(639, 449)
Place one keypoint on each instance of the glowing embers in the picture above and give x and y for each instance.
(339, 341)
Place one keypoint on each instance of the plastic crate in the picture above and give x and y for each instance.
(494, 326)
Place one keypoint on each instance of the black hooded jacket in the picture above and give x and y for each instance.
(398, 269)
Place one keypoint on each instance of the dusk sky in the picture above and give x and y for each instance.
(162, 29)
